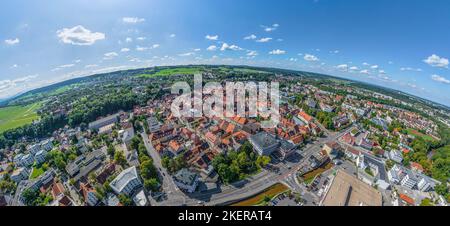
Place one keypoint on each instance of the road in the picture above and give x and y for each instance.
(240, 190)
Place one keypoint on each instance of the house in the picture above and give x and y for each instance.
(153, 124)
(405, 177)
(186, 180)
(264, 143)
(303, 116)
(20, 174)
(332, 148)
(88, 194)
(287, 148)
(407, 200)
(416, 167)
(57, 191)
(175, 147)
(127, 182)
(377, 167)
(396, 156)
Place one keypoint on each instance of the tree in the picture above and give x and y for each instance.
(125, 200)
(151, 184)
(119, 158)
(111, 150)
(262, 161)
(148, 170)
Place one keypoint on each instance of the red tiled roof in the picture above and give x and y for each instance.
(407, 199)
(305, 116)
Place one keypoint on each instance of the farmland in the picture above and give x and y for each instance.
(172, 71)
(16, 116)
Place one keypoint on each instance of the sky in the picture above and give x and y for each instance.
(401, 44)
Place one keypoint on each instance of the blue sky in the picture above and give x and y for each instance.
(401, 44)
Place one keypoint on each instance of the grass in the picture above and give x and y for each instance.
(17, 116)
(37, 172)
(173, 71)
(270, 192)
(308, 177)
(419, 134)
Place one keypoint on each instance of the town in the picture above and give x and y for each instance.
(335, 145)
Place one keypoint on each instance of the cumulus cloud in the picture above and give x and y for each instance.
(353, 68)
(172, 35)
(436, 61)
(342, 67)
(264, 40)
(225, 46)
(374, 67)
(277, 52)
(440, 79)
(270, 28)
(9, 87)
(12, 41)
(132, 20)
(365, 71)
(212, 48)
(186, 54)
(252, 53)
(128, 40)
(110, 55)
(79, 35)
(141, 38)
(250, 37)
(410, 69)
(124, 50)
(309, 57)
(212, 37)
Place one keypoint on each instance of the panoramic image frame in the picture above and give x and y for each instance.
(232, 104)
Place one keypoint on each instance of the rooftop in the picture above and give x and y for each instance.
(124, 178)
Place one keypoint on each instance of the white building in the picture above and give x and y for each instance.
(186, 180)
(40, 156)
(47, 145)
(27, 160)
(126, 182)
(33, 149)
(20, 174)
(409, 180)
(396, 156)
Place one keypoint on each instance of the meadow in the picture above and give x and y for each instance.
(15, 116)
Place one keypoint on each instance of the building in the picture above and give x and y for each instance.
(347, 190)
(96, 125)
(332, 148)
(33, 149)
(396, 156)
(47, 145)
(186, 180)
(153, 124)
(127, 182)
(409, 180)
(89, 194)
(264, 143)
(27, 160)
(20, 174)
(40, 156)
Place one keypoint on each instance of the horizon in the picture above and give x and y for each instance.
(388, 46)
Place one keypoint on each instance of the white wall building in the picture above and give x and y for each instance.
(126, 182)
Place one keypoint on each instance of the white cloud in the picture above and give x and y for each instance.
(186, 54)
(264, 40)
(14, 66)
(225, 46)
(382, 72)
(141, 38)
(172, 35)
(12, 41)
(354, 68)
(440, 79)
(128, 40)
(436, 61)
(197, 50)
(270, 28)
(212, 48)
(124, 50)
(91, 66)
(277, 52)
(410, 69)
(67, 65)
(342, 67)
(309, 57)
(252, 53)
(250, 37)
(366, 64)
(110, 55)
(334, 52)
(132, 20)
(365, 71)
(293, 59)
(212, 37)
(9, 87)
(154, 46)
(79, 35)
(140, 48)
(374, 67)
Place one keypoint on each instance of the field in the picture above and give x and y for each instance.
(419, 134)
(308, 177)
(172, 71)
(16, 116)
(270, 192)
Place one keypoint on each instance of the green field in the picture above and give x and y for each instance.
(16, 116)
(270, 192)
(37, 172)
(419, 134)
(172, 71)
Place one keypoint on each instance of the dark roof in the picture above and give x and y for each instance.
(264, 140)
(185, 176)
